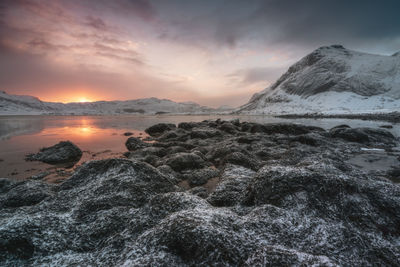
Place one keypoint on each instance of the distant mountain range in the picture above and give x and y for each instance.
(29, 105)
(330, 80)
(333, 80)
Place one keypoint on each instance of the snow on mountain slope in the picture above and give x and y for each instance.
(333, 79)
(28, 105)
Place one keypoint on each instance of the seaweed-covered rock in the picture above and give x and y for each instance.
(204, 133)
(200, 176)
(63, 152)
(228, 127)
(241, 159)
(279, 256)
(159, 128)
(274, 194)
(364, 135)
(232, 188)
(24, 193)
(133, 143)
(183, 161)
(282, 128)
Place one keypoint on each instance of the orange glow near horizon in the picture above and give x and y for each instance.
(66, 95)
(84, 100)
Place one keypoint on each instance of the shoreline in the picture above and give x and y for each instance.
(393, 117)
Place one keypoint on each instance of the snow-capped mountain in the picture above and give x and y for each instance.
(29, 105)
(333, 80)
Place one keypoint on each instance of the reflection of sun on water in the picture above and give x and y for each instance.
(85, 131)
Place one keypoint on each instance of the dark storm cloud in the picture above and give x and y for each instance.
(143, 8)
(314, 21)
(305, 23)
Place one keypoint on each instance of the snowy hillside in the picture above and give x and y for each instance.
(28, 105)
(331, 80)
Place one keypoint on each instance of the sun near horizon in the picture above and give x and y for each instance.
(84, 100)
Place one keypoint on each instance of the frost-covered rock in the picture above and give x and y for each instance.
(201, 176)
(183, 161)
(134, 143)
(364, 135)
(63, 152)
(279, 195)
(232, 188)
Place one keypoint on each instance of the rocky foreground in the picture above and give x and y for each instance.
(214, 193)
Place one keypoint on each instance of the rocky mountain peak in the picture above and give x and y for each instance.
(333, 72)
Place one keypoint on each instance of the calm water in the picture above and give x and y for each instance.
(101, 136)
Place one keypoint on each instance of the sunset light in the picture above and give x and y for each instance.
(199, 133)
(84, 100)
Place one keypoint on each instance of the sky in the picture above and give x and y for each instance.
(213, 52)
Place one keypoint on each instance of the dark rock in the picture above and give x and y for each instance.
(25, 193)
(388, 126)
(159, 129)
(183, 161)
(329, 193)
(283, 128)
(241, 159)
(40, 176)
(228, 128)
(348, 134)
(164, 204)
(364, 135)
(247, 139)
(175, 149)
(133, 143)
(174, 135)
(279, 256)
(340, 126)
(199, 191)
(222, 150)
(394, 174)
(307, 139)
(168, 135)
(200, 236)
(152, 160)
(232, 188)
(128, 133)
(157, 151)
(235, 122)
(205, 133)
(63, 152)
(169, 172)
(188, 125)
(200, 176)
(171, 144)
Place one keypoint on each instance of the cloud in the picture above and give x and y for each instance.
(256, 75)
(23, 72)
(179, 49)
(142, 8)
(96, 23)
(304, 24)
